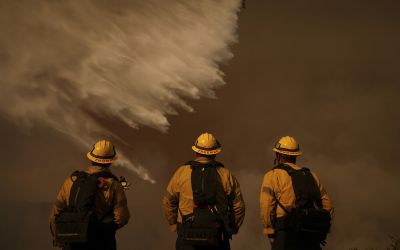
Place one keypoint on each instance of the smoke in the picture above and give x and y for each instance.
(68, 65)
(326, 74)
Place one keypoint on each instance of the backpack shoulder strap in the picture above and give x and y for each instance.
(205, 180)
(310, 185)
(78, 174)
(106, 174)
(215, 164)
(193, 164)
(76, 178)
(304, 185)
(287, 168)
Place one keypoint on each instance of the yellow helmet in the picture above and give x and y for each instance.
(207, 144)
(103, 152)
(287, 145)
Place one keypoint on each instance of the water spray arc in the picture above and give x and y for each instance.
(136, 62)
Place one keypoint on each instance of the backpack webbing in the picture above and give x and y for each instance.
(304, 185)
(84, 188)
(205, 181)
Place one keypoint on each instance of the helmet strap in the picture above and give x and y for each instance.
(277, 158)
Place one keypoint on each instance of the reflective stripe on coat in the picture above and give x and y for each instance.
(278, 183)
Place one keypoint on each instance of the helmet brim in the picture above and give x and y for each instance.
(99, 160)
(295, 153)
(206, 152)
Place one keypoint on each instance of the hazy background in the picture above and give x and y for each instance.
(324, 72)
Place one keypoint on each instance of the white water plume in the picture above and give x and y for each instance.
(65, 63)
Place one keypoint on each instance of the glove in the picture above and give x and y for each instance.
(173, 227)
(271, 238)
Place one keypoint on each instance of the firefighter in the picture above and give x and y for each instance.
(109, 203)
(203, 202)
(286, 190)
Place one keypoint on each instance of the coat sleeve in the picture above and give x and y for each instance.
(171, 201)
(59, 206)
(325, 199)
(268, 203)
(120, 205)
(237, 203)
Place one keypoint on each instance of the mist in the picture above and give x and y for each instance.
(67, 64)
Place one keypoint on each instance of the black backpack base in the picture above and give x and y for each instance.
(205, 226)
(308, 217)
(201, 229)
(79, 223)
(73, 227)
(313, 222)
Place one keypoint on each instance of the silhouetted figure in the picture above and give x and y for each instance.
(91, 205)
(203, 202)
(296, 210)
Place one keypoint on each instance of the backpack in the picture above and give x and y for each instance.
(78, 223)
(205, 226)
(307, 217)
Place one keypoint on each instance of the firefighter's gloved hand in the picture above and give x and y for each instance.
(229, 232)
(235, 229)
(108, 228)
(271, 238)
(125, 184)
(57, 244)
(173, 227)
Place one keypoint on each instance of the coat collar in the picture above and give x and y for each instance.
(292, 165)
(95, 169)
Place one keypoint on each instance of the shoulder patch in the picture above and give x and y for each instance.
(268, 190)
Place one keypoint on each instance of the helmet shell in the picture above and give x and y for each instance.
(207, 144)
(287, 145)
(103, 152)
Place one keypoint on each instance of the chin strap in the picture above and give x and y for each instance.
(276, 160)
